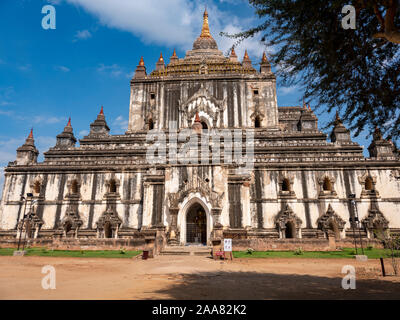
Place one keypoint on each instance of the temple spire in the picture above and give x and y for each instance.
(102, 111)
(160, 65)
(205, 31)
(140, 72)
(141, 62)
(31, 134)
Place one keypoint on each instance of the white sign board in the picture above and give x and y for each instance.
(228, 245)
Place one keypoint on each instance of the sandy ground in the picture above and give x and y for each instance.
(193, 277)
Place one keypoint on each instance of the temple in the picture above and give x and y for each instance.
(303, 189)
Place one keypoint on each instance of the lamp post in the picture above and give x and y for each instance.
(29, 217)
(356, 219)
(22, 224)
(353, 220)
(28, 195)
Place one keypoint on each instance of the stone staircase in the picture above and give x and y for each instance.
(186, 251)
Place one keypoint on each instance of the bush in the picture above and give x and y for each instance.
(250, 251)
(298, 252)
(122, 251)
(370, 247)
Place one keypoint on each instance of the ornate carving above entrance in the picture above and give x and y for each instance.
(71, 223)
(375, 220)
(108, 225)
(329, 219)
(203, 103)
(195, 185)
(287, 219)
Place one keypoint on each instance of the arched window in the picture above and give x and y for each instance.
(113, 186)
(369, 184)
(286, 185)
(74, 187)
(36, 187)
(257, 122)
(290, 231)
(204, 125)
(327, 185)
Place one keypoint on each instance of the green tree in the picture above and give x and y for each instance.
(356, 72)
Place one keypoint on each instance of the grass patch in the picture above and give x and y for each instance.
(43, 252)
(345, 253)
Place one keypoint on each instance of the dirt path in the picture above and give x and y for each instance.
(192, 277)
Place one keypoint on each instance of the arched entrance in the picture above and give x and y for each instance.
(196, 225)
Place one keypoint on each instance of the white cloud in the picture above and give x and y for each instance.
(173, 23)
(287, 90)
(6, 94)
(83, 133)
(62, 68)
(82, 35)
(114, 71)
(25, 67)
(55, 2)
(47, 119)
(120, 125)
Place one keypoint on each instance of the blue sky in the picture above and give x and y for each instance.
(47, 76)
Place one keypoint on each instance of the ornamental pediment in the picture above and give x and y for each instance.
(202, 100)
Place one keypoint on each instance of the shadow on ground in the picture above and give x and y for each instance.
(254, 285)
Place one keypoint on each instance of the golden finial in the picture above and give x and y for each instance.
(233, 53)
(246, 55)
(174, 54)
(161, 57)
(205, 31)
(141, 62)
(264, 57)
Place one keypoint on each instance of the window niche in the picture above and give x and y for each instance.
(37, 187)
(285, 184)
(368, 186)
(112, 187)
(327, 187)
(74, 187)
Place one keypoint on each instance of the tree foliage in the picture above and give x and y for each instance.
(356, 72)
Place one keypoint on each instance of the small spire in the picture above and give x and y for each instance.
(101, 111)
(141, 62)
(31, 134)
(205, 31)
(246, 55)
(161, 57)
(69, 122)
(337, 118)
(233, 53)
(264, 58)
(197, 119)
(174, 54)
